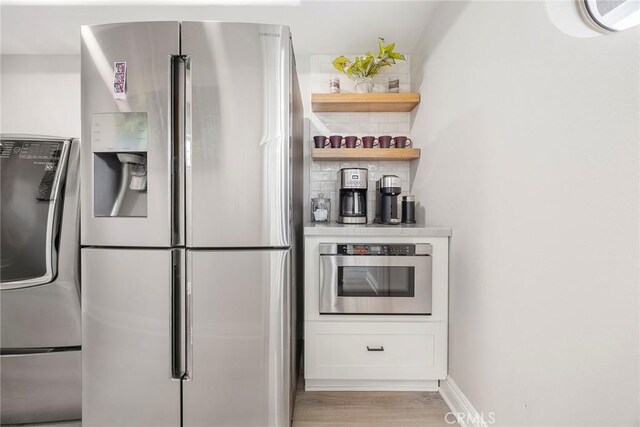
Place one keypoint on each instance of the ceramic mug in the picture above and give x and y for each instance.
(352, 141)
(320, 141)
(402, 142)
(385, 141)
(336, 141)
(369, 141)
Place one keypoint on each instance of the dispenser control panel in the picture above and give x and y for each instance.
(118, 132)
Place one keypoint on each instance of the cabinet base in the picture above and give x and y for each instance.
(370, 385)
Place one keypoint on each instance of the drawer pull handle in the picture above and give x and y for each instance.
(381, 348)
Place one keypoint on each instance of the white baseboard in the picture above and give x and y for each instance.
(370, 385)
(467, 415)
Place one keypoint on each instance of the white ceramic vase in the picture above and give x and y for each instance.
(364, 85)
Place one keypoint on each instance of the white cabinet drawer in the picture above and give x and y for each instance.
(347, 350)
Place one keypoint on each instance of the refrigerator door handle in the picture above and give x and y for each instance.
(188, 369)
(178, 315)
(178, 147)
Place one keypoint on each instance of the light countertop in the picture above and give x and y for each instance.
(335, 229)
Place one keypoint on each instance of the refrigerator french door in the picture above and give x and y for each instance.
(188, 226)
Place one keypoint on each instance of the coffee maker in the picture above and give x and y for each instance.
(353, 196)
(388, 188)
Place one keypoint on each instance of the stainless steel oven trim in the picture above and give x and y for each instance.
(331, 303)
(332, 248)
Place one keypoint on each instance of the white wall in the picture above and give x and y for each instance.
(530, 152)
(40, 94)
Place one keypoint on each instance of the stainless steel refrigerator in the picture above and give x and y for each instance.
(191, 224)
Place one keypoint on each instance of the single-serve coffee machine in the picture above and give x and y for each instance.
(388, 188)
(353, 195)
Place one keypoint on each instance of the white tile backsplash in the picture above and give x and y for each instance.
(328, 184)
(324, 174)
(388, 127)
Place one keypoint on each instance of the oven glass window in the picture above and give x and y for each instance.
(370, 281)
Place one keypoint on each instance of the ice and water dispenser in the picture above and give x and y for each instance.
(119, 149)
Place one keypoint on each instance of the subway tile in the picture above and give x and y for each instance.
(320, 59)
(341, 117)
(349, 165)
(403, 79)
(324, 117)
(400, 117)
(387, 166)
(315, 166)
(404, 176)
(320, 176)
(372, 166)
(374, 176)
(315, 186)
(359, 117)
(329, 166)
(328, 68)
(404, 127)
(334, 128)
(403, 67)
(403, 168)
(388, 127)
(369, 127)
(378, 117)
(328, 186)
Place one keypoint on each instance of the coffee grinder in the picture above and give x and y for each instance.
(388, 188)
(353, 195)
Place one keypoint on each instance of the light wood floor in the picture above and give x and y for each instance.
(357, 409)
(370, 408)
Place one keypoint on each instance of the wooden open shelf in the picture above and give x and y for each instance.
(375, 153)
(364, 102)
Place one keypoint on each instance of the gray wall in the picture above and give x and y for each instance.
(40, 94)
(530, 152)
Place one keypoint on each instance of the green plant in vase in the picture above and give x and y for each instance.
(363, 68)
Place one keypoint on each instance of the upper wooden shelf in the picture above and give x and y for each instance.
(364, 102)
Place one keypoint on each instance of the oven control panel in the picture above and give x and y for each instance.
(376, 249)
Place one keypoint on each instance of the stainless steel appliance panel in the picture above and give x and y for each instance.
(146, 47)
(297, 235)
(239, 148)
(126, 337)
(47, 315)
(42, 387)
(239, 364)
(393, 298)
(41, 316)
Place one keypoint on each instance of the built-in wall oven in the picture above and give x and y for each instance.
(375, 278)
